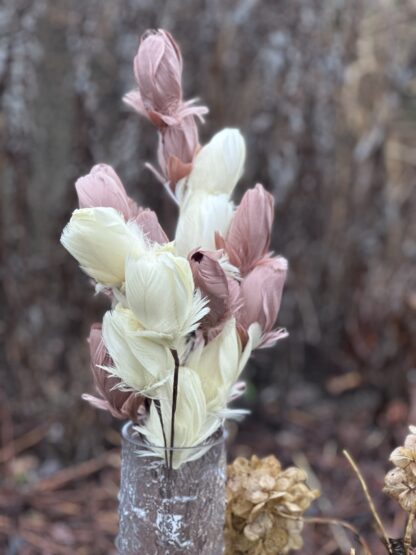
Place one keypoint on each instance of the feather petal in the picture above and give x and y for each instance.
(100, 240)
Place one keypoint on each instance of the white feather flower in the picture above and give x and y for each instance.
(193, 424)
(142, 360)
(219, 165)
(201, 215)
(100, 239)
(160, 291)
(219, 365)
(204, 196)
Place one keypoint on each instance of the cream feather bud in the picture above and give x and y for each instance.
(218, 366)
(219, 165)
(100, 240)
(160, 291)
(201, 216)
(193, 424)
(220, 363)
(141, 360)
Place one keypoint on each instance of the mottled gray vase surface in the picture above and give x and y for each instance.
(169, 512)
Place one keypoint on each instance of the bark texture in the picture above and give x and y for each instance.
(324, 93)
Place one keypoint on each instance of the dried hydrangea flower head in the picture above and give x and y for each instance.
(400, 483)
(261, 499)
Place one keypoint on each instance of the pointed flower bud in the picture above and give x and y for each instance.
(201, 216)
(219, 165)
(248, 238)
(218, 366)
(141, 360)
(178, 145)
(121, 404)
(103, 187)
(210, 278)
(160, 291)
(149, 223)
(158, 71)
(100, 240)
(219, 363)
(261, 294)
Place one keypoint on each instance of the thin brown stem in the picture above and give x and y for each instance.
(174, 401)
(165, 443)
(373, 509)
(332, 521)
(407, 540)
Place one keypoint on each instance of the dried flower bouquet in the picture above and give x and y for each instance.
(185, 313)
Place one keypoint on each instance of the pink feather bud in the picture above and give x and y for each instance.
(248, 238)
(103, 187)
(159, 97)
(261, 295)
(151, 227)
(158, 71)
(121, 404)
(211, 279)
(181, 141)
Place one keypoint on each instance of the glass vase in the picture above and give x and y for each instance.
(168, 511)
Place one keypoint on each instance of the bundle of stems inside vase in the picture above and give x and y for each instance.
(186, 311)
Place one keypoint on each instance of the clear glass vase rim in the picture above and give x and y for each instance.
(127, 432)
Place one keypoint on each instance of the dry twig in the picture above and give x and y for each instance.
(373, 509)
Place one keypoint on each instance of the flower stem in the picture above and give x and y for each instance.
(331, 521)
(174, 400)
(373, 509)
(407, 540)
(165, 443)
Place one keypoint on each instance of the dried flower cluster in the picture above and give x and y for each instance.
(400, 482)
(186, 313)
(264, 503)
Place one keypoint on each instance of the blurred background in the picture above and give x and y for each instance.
(325, 95)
